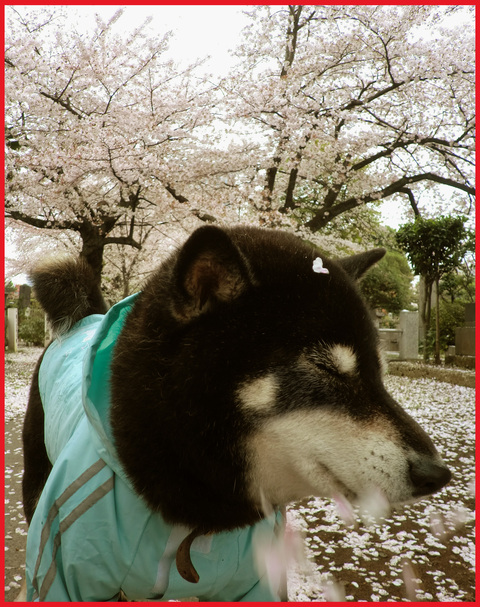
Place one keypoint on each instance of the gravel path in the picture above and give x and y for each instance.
(18, 372)
(425, 551)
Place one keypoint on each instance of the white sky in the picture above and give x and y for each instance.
(198, 30)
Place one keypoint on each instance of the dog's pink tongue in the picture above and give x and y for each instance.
(184, 562)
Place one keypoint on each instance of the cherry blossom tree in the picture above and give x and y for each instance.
(355, 104)
(99, 130)
(329, 109)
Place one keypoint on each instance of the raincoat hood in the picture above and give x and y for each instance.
(96, 381)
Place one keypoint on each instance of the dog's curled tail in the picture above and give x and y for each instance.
(67, 290)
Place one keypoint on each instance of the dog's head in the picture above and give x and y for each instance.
(259, 381)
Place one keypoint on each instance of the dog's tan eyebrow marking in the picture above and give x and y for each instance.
(258, 394)
(344, 358)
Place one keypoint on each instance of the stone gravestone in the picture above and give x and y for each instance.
(465, 339)
(408, 324)
(24, 297)
(12, 329)
(470, 314)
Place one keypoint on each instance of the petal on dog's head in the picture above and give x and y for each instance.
(318, 266)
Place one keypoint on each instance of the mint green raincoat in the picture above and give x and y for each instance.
(92, 535)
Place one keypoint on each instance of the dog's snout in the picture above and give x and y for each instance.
(428, 476)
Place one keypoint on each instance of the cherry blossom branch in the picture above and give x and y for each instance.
(327, 212)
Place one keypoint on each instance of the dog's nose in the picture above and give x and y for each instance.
(428, 476)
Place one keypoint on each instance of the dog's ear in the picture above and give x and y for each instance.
(357, 265)
(209, 269)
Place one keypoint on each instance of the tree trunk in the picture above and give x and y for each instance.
(422, 305)
(437, 322)
(93, 245)
(94, 240)
(425, 314)
(125, 279)
(94, 257)
(290, 49)
(291, 42)
(289, 202)
(270, 184)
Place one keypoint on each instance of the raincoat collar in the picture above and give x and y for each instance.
(96, 381)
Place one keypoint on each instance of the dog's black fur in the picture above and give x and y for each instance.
(205, 321)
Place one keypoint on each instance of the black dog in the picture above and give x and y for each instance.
(244, 376)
